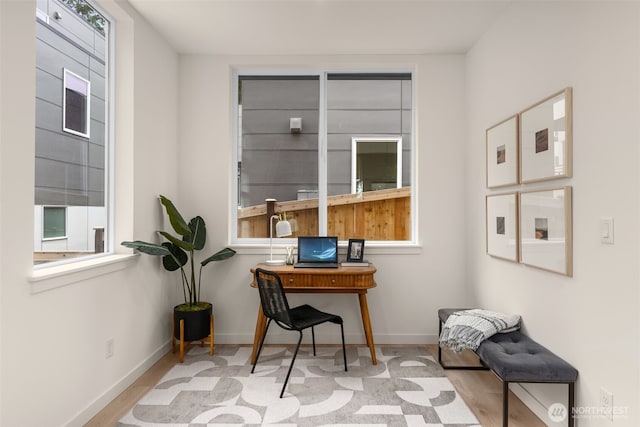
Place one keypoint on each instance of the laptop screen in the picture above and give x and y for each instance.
(317, 249)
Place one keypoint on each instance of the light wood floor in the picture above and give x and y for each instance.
(481, 390)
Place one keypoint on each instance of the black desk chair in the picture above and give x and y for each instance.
(275, 307)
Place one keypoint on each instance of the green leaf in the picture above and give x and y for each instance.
(198, 235)
(176, 257)
(146, 248)
(222, 254)
(177, 222)
(181, 243)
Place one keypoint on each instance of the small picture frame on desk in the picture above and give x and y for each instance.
(355, 250)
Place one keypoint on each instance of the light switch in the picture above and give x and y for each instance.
(606, 230)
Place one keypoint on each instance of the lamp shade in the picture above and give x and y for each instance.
(283, 228)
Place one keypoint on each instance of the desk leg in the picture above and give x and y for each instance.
(366, 323)
(261, 325)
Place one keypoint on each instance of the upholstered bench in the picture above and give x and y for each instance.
(516, 358)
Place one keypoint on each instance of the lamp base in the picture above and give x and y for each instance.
(274, 262)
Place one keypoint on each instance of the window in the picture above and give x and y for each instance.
(72, 132)
(75, 104)
(376, 164)
(309, 146)
(54, 222)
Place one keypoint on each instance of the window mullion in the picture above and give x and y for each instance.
(322, 157)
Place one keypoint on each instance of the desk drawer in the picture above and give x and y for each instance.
(326, 280)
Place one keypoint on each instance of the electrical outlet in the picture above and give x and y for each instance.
(109, 348)
(606, 403)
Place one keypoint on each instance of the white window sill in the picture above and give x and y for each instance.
(49, 278)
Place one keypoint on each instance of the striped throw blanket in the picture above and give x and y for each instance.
(468, 328)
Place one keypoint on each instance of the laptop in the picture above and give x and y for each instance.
(317, 252)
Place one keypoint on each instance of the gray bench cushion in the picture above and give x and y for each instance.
(515, 357)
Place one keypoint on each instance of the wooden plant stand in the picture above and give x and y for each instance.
(184, 345)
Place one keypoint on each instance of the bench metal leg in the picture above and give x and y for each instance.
(571, 403)
(505, 403)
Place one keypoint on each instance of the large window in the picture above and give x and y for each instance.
(330, 152)
(72, 141)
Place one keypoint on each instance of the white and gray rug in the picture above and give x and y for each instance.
(406, 388)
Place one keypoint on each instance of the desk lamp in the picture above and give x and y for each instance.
(283, 229)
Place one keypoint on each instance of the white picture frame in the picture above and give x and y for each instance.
(502, 226)
(502, 158)
(546, 229)
(546, 139)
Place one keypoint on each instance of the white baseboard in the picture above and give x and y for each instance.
(82, 417)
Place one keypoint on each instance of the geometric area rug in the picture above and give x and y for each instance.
(406, 388)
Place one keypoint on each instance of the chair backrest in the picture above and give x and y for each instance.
(272, 296)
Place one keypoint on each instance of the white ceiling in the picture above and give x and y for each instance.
(297, 27)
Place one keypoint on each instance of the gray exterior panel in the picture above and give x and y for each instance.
(280, 141)
(55, 48)
(339, 168)
(280, 94)
(97, 133)
(282, 167)
(48, 116)
(364, 121)
(55, 146)
(277, 121)
(48, 87)
(363, 94)
(407, 103)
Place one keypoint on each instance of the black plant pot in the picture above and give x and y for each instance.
(197, 324)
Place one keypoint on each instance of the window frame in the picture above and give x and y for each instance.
(87, 134)
(322, 74)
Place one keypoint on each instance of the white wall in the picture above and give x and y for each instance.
(532, 51)
(52, 344)
(411, 286)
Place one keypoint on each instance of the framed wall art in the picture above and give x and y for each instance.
(545, 139)
(502, 153)
(502, 226)
(545, 229)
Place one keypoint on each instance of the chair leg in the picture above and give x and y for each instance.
(313, 340)
(261, 344)
(293, 359)
(344, 350)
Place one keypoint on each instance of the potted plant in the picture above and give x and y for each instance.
(177, 253)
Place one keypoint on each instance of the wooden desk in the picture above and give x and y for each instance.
(342, 280)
